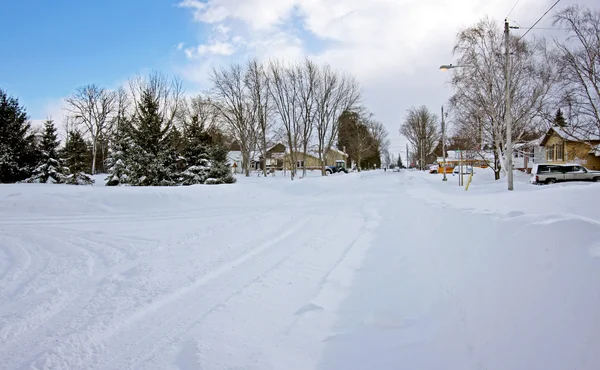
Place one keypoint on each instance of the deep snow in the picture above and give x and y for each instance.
(378, 270)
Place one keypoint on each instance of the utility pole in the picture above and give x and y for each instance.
(507, 113)
(444, 144)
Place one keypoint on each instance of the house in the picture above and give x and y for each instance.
(312, 160)
(566, 145)
(275, 157)
(526, 154)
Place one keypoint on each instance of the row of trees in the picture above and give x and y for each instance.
(544, 76)
(303, 105)
(27, 157)
(149, 133)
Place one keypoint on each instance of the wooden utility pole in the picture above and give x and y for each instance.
(508, 115)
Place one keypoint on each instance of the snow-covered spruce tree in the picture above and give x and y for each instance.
(152, 155)
(220, 173)
(49, 165)
(17, 150)
(118, 163)
(195, 155)
(74, 155)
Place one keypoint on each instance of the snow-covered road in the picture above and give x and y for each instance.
(343, 272)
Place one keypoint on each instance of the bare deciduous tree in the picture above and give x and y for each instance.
(421, 130)
(91, 106)
(230, 98)
(258, 83)
(308, 80)
(479, 99)
(285, 92)
(335, 94)
(579, 65)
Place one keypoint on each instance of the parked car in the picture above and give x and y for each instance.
(466, 170)
(549, 173)
(433, 169)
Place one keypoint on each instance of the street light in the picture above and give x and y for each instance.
(445, 67)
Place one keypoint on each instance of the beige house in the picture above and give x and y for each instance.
(312, 161)
(565, 146)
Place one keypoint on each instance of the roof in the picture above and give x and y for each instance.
(596, 150)
(339, 151)
(570, 134)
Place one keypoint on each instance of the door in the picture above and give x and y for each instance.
(579, 173)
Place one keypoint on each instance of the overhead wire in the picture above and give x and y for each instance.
(513, 8)
(538, 21)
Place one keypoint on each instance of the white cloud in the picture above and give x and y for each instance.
(394, 47)
(180, 46)
(216, 48)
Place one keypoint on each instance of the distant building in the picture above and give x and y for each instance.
(568, 145)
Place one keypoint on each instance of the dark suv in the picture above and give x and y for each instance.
(548, 173)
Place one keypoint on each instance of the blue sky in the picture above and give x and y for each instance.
(56, 46)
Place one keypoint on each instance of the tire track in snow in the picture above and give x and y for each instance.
(57, 313)
(96, 343)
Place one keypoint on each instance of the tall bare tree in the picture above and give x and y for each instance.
(91, 107)
(579, 65)
(308, 80)
(335, 94)
(231, 99)
(421, 130)
(258, 84)
(285, 92)
(479, 98)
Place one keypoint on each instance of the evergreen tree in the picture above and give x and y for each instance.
(74, 155)
(400, 164)
(152, 154)
(195, 156)
(559, 119)
(220, 173)
(17, 150)
(118, 163)
(49, 165)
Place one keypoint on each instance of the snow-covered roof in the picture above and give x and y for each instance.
(234, 156)
(339, 151)
(469, 154)
(571, 134)
(596, 150)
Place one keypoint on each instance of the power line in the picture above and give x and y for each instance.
(538, 21)
(513, 8)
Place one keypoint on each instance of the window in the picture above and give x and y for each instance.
(550, 153)
(300, 164)
(559, 151)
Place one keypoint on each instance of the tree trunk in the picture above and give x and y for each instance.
(264, 156)
(94, 156)
(358, 163)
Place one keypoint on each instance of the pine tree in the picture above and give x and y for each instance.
(195, 156)
(118, 163)
(220, 173)
(152, 152)
(17, 150)
(49, 165)
(400, 164)
(559, 119)
(74, 155)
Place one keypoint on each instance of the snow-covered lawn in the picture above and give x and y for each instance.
(377, 270)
